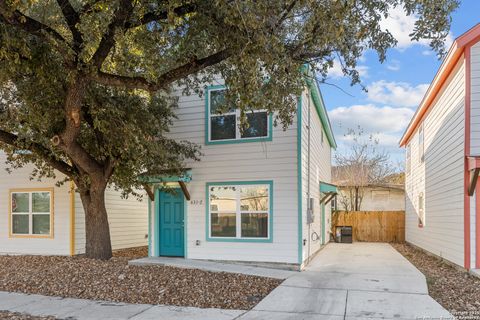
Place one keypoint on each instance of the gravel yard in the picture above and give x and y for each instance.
(21, 316)
(131, 253)
(455, 289)
(115, 280)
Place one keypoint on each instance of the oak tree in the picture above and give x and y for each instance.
(86, 84)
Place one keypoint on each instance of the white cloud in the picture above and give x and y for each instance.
(401, 26)
(363, 71)
(335, 72)
(370, 118)
(394, 65)
(428, 52)
(449, 40)
(396, 93)
(385, 124)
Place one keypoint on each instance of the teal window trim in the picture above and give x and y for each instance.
(156, 236)
(230, 141)
(299, 180)
(237, 183)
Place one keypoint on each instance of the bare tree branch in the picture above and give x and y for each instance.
(361, 166)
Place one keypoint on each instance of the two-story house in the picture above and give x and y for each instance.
(442, 159)
(257, 195)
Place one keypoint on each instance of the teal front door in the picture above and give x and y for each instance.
(171, 214)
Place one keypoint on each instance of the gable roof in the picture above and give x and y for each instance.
(317, 98)
(454, 54)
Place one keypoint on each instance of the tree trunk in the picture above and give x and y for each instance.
(98, 245)
(356, 198)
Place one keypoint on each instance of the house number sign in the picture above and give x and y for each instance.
(196, 202)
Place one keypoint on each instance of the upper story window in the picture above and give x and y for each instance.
(408, 158)
(223, 121)
(421, 149)
(31, 212)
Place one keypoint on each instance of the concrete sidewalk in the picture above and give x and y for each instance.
(344, 281)
(352, 281)
(215, 266)
(81, 309)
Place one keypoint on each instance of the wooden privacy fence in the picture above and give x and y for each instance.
(372, 226)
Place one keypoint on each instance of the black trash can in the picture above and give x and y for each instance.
(346, 235)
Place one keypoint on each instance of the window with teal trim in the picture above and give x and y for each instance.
(239, 211)
(223, 120)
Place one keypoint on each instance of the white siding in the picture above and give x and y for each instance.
(128, 220)
(79, 225)
(320, 171)
(475, 132)
(274, 160)
(440, 177)
(380, 199)
(19, 179)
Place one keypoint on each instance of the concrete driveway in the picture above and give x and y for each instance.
(352, 281)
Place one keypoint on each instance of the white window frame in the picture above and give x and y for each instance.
(238, 134)
(30, 212)
(239, 212)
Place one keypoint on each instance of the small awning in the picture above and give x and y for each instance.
(167, 176)
(473, 171)
(328, 191)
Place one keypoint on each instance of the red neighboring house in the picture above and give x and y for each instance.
(442, 145)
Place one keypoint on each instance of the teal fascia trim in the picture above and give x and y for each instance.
(186, 177)
(321, 111)
(299, 180)
(207, 214)
(327, 187)
(150, 253)
(232, 141)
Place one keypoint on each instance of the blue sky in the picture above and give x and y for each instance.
(395, 87)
